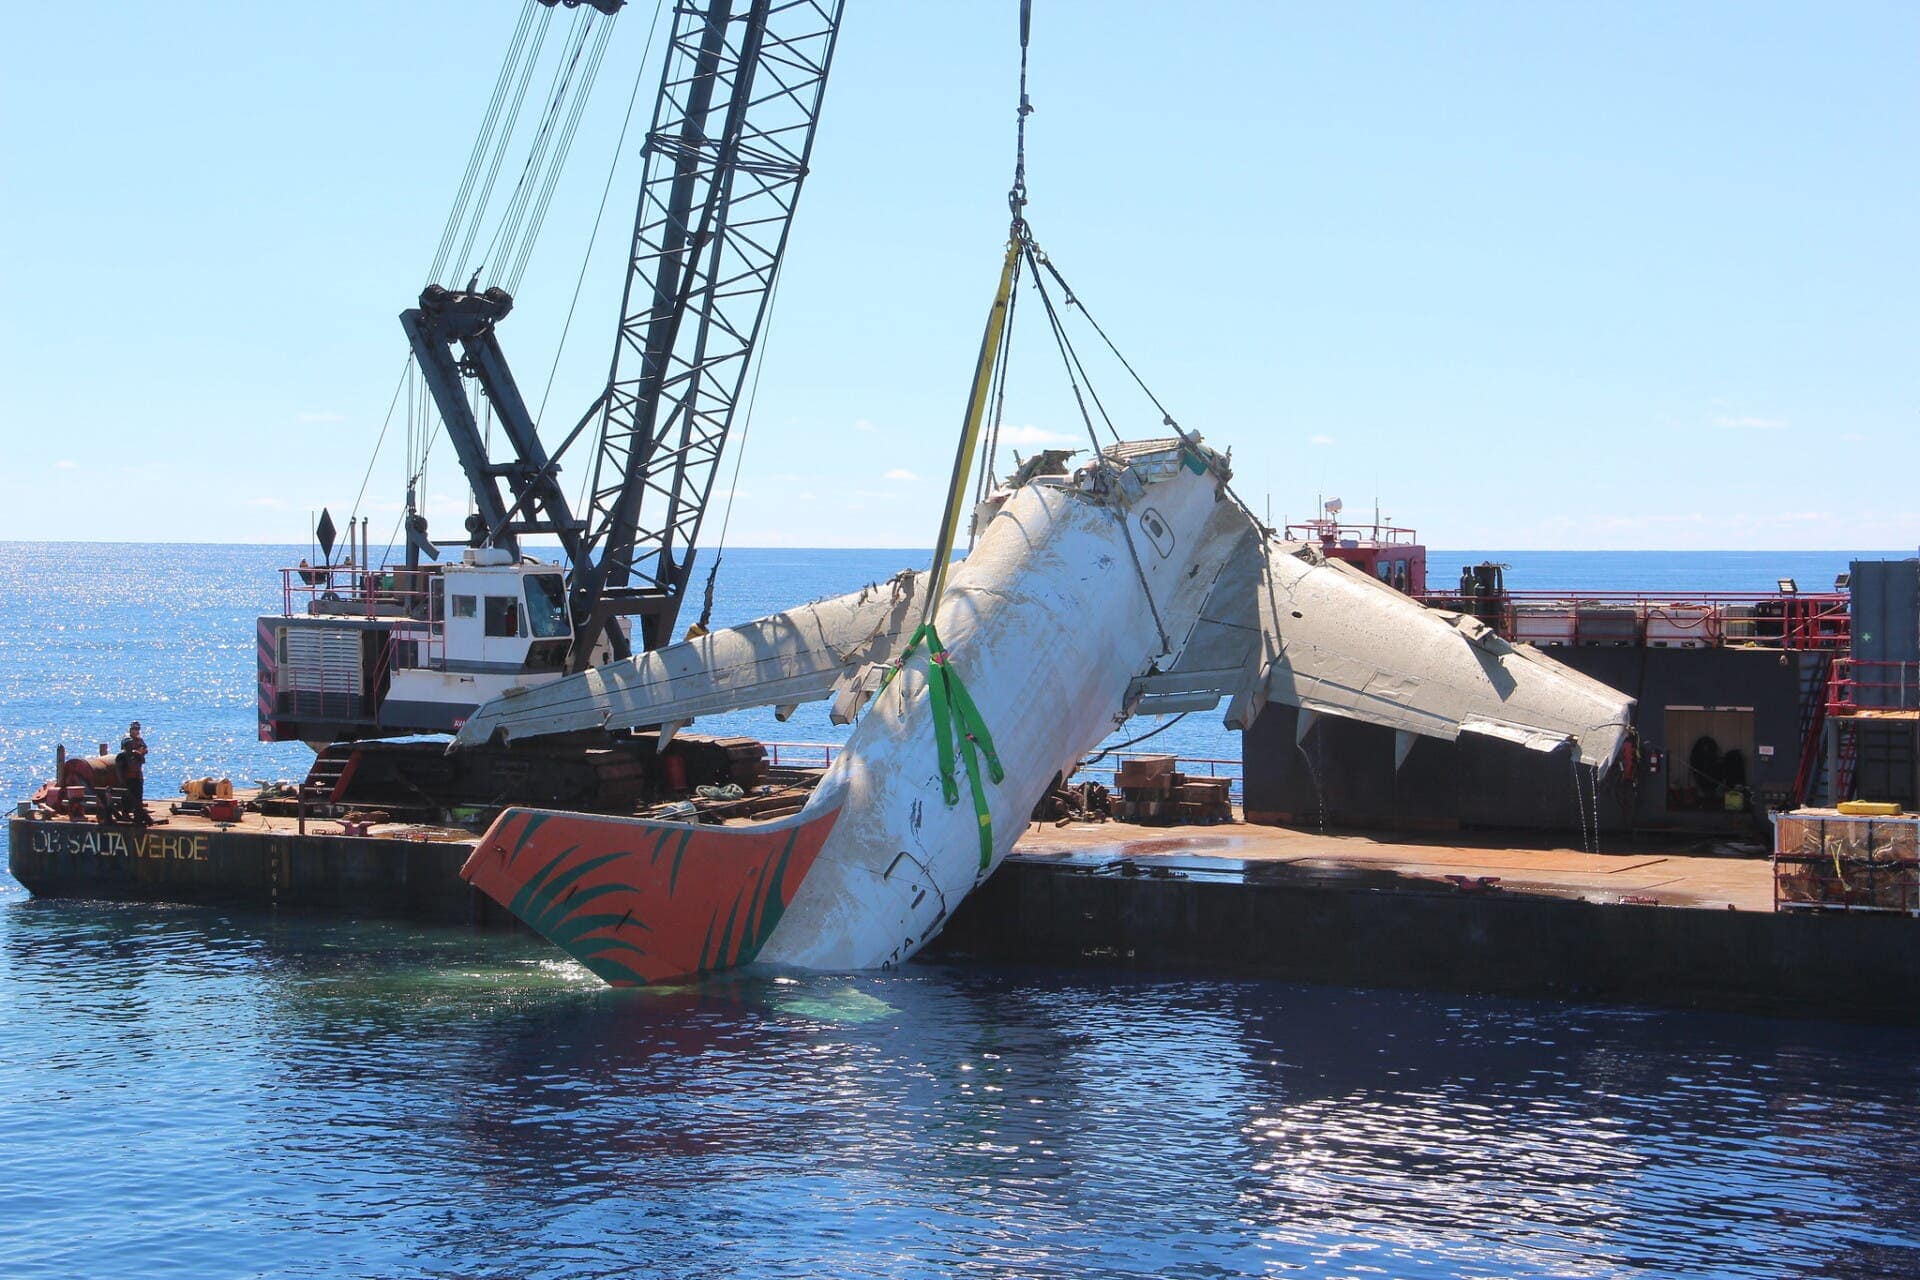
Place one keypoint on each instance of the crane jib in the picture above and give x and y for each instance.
(704, 255)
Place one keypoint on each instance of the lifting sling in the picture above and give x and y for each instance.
(961, 735)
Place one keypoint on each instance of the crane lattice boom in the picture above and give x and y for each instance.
(726, 156)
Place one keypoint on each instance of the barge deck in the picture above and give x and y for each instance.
(1655, 923)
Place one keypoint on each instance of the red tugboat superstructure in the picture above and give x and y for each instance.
(1388, 552)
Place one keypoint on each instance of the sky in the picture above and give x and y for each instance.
(1527, 276)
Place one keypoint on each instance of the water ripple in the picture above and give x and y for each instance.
(200, 1093)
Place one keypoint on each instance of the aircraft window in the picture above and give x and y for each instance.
(503, 616)
(547, 606)
(463, 606)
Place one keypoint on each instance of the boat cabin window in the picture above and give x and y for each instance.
(463, 606)
(503, 615)
(547, 606)
(1385, 568)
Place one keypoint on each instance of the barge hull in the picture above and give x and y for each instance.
(1368, 931)
(1262, 902)
(254, 865)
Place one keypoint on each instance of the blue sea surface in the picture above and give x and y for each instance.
(191, 1092)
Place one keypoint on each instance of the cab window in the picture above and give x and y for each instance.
(503, 616)
(547, 606)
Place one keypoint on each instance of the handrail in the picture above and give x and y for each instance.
(1812, 621)
(381, 593)
(1328, 531)
(1901, 692)
(1828, 598)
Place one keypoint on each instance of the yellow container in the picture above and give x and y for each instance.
(1868, 809)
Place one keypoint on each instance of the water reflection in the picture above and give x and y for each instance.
(193, 1092)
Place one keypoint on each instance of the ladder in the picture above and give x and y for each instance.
(1811, 768)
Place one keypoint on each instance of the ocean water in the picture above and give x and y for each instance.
(204, 1093)
(95, 635)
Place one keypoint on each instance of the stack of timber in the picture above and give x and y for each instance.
(715, 761)
(1826, 860)
(1152, 790)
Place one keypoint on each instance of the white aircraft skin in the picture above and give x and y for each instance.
(1080, 592)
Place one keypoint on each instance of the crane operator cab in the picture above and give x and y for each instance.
(501, 617)
(410, 651)
(493, 623)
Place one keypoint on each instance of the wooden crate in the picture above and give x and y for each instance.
(1825, 860)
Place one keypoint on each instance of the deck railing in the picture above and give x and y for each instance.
(351, 592)
(801, 755)
(1713, 619)
(1857, 686)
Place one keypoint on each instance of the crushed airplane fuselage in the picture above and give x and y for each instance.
(1129, 585)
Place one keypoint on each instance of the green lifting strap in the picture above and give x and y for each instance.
(960, 733)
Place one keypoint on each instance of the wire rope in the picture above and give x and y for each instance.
(537, 219)
(740, 451)
(1104, 752)
(456, 215)
(1166, 417)
(533, 168)
(405, 368)
(1093, 436)
(500, 150)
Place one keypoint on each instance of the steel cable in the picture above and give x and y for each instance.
(456, 215)
(740, 451)
(1070, 364)
(557, 166)
(500, 245)
(500, 151)
(405, 369)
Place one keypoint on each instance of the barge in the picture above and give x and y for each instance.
(1660, 921)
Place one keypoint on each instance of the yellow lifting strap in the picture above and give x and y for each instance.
(961, 736)
(970, 431)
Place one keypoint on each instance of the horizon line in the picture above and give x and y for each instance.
(1898, 553)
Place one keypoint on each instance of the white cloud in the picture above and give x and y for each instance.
(1322, 440)
(1853, 437)
(66, 464)
(901, 474)
(1028, 435)
(861, 424)
(320, 415)
(1748, 423)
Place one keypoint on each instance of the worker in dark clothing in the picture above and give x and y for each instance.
(131, 764)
